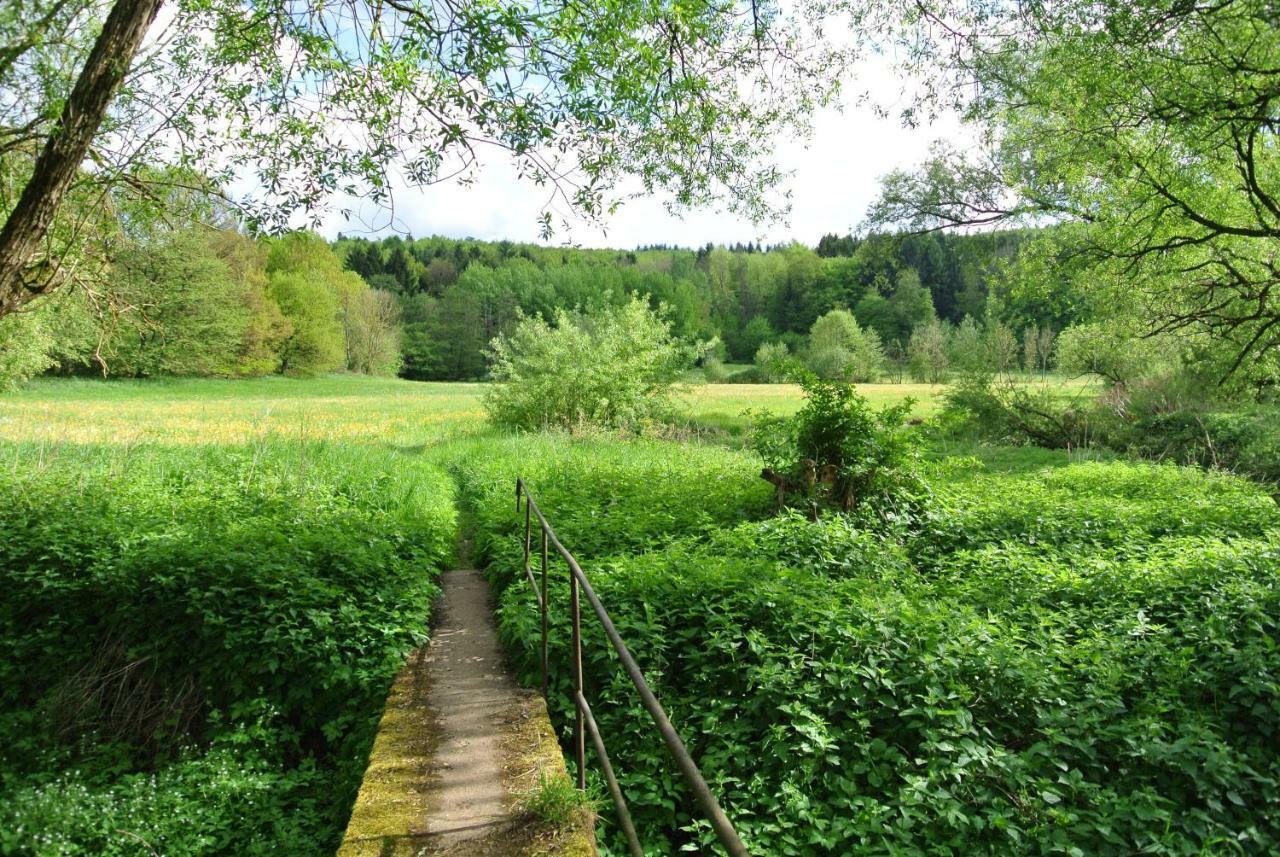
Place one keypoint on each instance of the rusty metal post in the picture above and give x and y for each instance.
(579, 738)
(545, 608)
(579, 585)
(527, 539)
(615, 791)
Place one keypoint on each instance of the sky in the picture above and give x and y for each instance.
(835, 175)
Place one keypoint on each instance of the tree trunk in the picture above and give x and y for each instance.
(67, 147)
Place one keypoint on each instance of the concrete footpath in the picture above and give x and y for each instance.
(459, 745)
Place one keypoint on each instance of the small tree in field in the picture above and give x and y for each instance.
(837, 453)
(612, 368)
(927, 357)
(840, 349)
(773, 362)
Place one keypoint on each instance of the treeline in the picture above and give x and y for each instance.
(201, 301)
(209, 302)
(456, 295)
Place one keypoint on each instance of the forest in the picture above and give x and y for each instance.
(200, 302)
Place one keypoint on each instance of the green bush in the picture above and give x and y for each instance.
(840, 350)
(1246, 441)
(713, 371)
(772, 362)
(176, 618)
(837, 452)
(611, 368)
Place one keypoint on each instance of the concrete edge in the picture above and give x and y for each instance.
(531, 754)
(395, 793)
(387, 816)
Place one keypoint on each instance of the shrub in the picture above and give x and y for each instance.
(612, 368)
(839, 349)
(927, 358)
(1112, 352)
(713, 370)
(1246, 441)
(1008, 412)
(837, 452)
(773, 362)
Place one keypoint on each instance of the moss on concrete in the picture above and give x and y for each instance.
(387, 818)
(389, 813)
(530, 754)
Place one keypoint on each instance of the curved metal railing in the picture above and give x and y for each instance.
(585, 722)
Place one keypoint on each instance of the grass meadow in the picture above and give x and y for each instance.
(209, 585)
(345, 408)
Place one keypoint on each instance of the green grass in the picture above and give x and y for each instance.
(725, 406)
(197, 411)
(1064, 655)
(342, 408)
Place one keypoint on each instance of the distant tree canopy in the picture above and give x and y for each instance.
(192, 300)
(746, 295)
(204, 302)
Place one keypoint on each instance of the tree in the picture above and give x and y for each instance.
(315, 342)
(999, 343)
(927, 357)
(266, 328)
(757, 332)
(1112, 352)
(966, 347)
(612, 368)
(366, 321)
(1146, 132)
(313, 97)
(841, 350)
(61, 328)
(773, 362)
(894, 317)
(192, 314)
(1031, 348)
(371, 327)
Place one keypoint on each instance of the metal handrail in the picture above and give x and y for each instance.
(585, 722)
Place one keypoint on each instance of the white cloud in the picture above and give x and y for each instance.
(835, 177)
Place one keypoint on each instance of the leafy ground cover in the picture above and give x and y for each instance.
(1067, 659)
(1061, 656)
(195, 641)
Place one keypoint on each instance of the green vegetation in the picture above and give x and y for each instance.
(1024, 614)
(1085, 115)
(555, 802)
(835, 452)
(456, 296)
(1038, 654)
(612, 368)
(1044, 665)
(197, 640)
(202, 302)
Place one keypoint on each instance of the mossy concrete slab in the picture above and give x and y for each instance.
(458, 747)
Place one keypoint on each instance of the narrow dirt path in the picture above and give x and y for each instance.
(469, 692)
